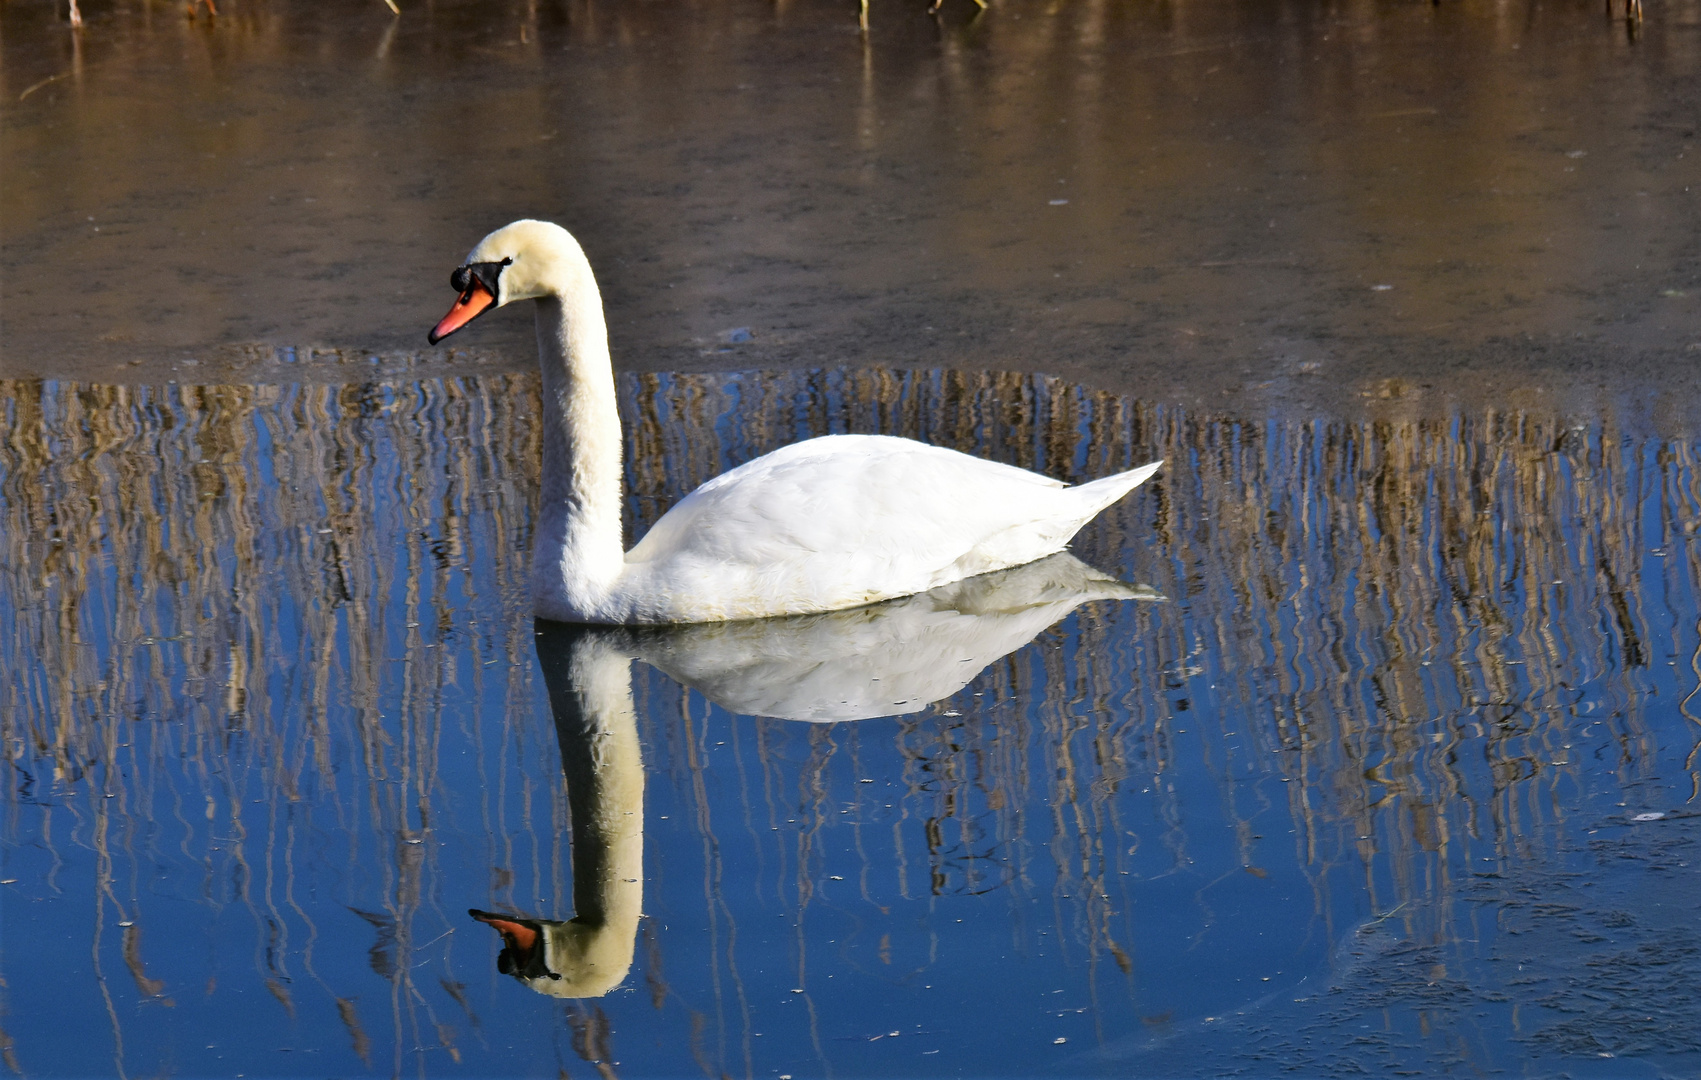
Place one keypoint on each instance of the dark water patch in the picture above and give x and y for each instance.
(277, 723)
(1585, 963)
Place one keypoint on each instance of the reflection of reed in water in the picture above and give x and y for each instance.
(260, 615)
(207, 593)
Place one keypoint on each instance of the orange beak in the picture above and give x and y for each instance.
(473, 303)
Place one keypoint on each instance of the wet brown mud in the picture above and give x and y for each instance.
(1240, 203)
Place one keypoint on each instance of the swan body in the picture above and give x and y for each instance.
(829, 523)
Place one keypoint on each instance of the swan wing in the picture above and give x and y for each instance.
(850, 519)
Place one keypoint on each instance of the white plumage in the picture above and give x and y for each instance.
(829, 523)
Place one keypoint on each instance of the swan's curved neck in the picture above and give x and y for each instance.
(578, 551)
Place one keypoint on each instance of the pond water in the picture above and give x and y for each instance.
(1386, 755)
(1366, 736)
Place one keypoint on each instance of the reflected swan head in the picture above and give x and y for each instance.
(572, 959)
(590, 694)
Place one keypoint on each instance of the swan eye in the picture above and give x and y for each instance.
(485, 274)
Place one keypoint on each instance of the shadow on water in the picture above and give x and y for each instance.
(1411, 743)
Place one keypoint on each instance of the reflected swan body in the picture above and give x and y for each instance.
(822, 525)
(884, 660)
(889, 658)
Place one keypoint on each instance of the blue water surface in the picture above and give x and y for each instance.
(1393, 764)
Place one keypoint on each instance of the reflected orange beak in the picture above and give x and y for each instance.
(519, 937)
(473, 303)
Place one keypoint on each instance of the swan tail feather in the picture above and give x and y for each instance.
(1050, 533)
(1102, 492)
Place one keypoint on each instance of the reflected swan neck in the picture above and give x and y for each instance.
(589, 676)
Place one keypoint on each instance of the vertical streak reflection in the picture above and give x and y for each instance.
(264, 620)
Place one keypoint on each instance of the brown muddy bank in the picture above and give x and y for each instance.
(1246, 204)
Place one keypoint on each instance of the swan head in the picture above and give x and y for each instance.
(524, 260)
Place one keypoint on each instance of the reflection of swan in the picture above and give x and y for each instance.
(590, 691)
(891, 658)
(821, 525)
(883, 660)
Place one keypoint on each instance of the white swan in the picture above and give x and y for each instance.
(830, 523)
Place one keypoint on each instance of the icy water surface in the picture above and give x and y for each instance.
(1168, 199)
(1391, 763)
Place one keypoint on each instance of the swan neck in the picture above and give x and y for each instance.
(579, 545)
